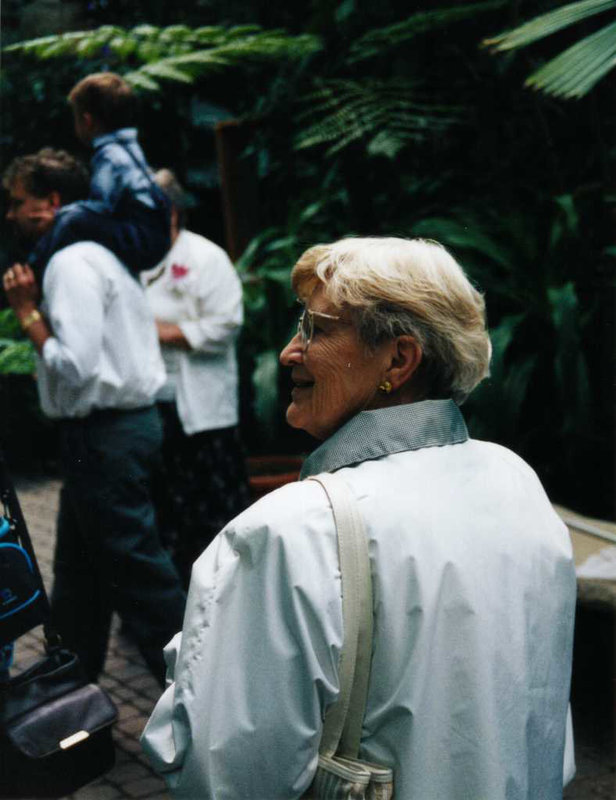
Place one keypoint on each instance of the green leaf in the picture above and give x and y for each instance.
(281, 275)
(9, 324)
(394, 112)
(546, 24)
(145, 31)
(122, 46)
(382, 40)
(166, 71)
(280, 244)
(310, 211)
(265, 384)
(501, 337)
(345, 10)
(465, 234)
(573, 73)
(570, 362)
(566, 203)
(139, 80)
(17, 359)
(497, 403)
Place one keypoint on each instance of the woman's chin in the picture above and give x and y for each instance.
(294, 416)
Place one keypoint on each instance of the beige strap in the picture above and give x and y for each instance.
(343, 721)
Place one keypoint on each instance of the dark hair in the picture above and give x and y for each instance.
(107, 97)
(49, 171)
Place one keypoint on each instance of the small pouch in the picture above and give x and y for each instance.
(339, 778)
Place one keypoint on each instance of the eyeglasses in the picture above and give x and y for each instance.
(305, 325)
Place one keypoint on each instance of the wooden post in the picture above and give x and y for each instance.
(238, 184)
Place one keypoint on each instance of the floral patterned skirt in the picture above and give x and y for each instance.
(201, 486)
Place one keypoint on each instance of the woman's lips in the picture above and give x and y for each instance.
(298, 386)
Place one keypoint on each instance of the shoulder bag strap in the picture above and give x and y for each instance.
(343, 721)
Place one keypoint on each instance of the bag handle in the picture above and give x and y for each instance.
(343, 721)
(8, 498)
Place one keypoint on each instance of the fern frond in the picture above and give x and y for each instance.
(166, 71)
(381, 40)
(546, 24)
(175, 53)
(138, 80)
(387, 115)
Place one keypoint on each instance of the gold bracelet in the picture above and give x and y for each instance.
(30, 319)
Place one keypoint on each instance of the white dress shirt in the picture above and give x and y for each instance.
(104, 351)
(197, 288)
(474, 598)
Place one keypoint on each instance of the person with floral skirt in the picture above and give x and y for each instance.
(196, 297)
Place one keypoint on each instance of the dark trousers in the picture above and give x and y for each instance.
(202, 487)
(108, 552)
(138, 235)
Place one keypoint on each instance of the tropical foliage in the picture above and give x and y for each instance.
(175, 53)
(16, 351)
(575, 71)
(365, 119)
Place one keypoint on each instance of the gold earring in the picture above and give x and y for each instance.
(385, 387)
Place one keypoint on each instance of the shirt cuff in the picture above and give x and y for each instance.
(192, 333)
(49, 349)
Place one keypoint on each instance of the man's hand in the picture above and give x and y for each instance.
(23, 293)
(21, 289)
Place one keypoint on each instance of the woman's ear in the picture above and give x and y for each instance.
(406, 356)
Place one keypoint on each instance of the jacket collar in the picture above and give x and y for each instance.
(122, 135)
(377, 433)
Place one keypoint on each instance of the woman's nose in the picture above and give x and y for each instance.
(292, 353)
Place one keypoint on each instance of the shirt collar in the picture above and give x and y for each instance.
(124, 135)
(377, 433)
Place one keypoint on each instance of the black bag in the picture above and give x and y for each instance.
(55, 727)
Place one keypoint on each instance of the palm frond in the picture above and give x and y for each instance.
(386, 114)
(574, 72)
(546, 24)
(381, 40)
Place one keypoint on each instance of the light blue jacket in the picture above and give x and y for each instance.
(119, 169)
(474, 598)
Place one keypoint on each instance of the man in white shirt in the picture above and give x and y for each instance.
(99, 368)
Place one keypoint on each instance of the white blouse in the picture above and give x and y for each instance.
(197, 288)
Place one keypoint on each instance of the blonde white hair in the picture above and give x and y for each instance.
(415, 287)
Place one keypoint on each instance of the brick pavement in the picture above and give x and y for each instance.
(125, 676)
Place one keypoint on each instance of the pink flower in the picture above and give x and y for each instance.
(178, 271)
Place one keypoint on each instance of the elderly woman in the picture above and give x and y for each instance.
(473, 583)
